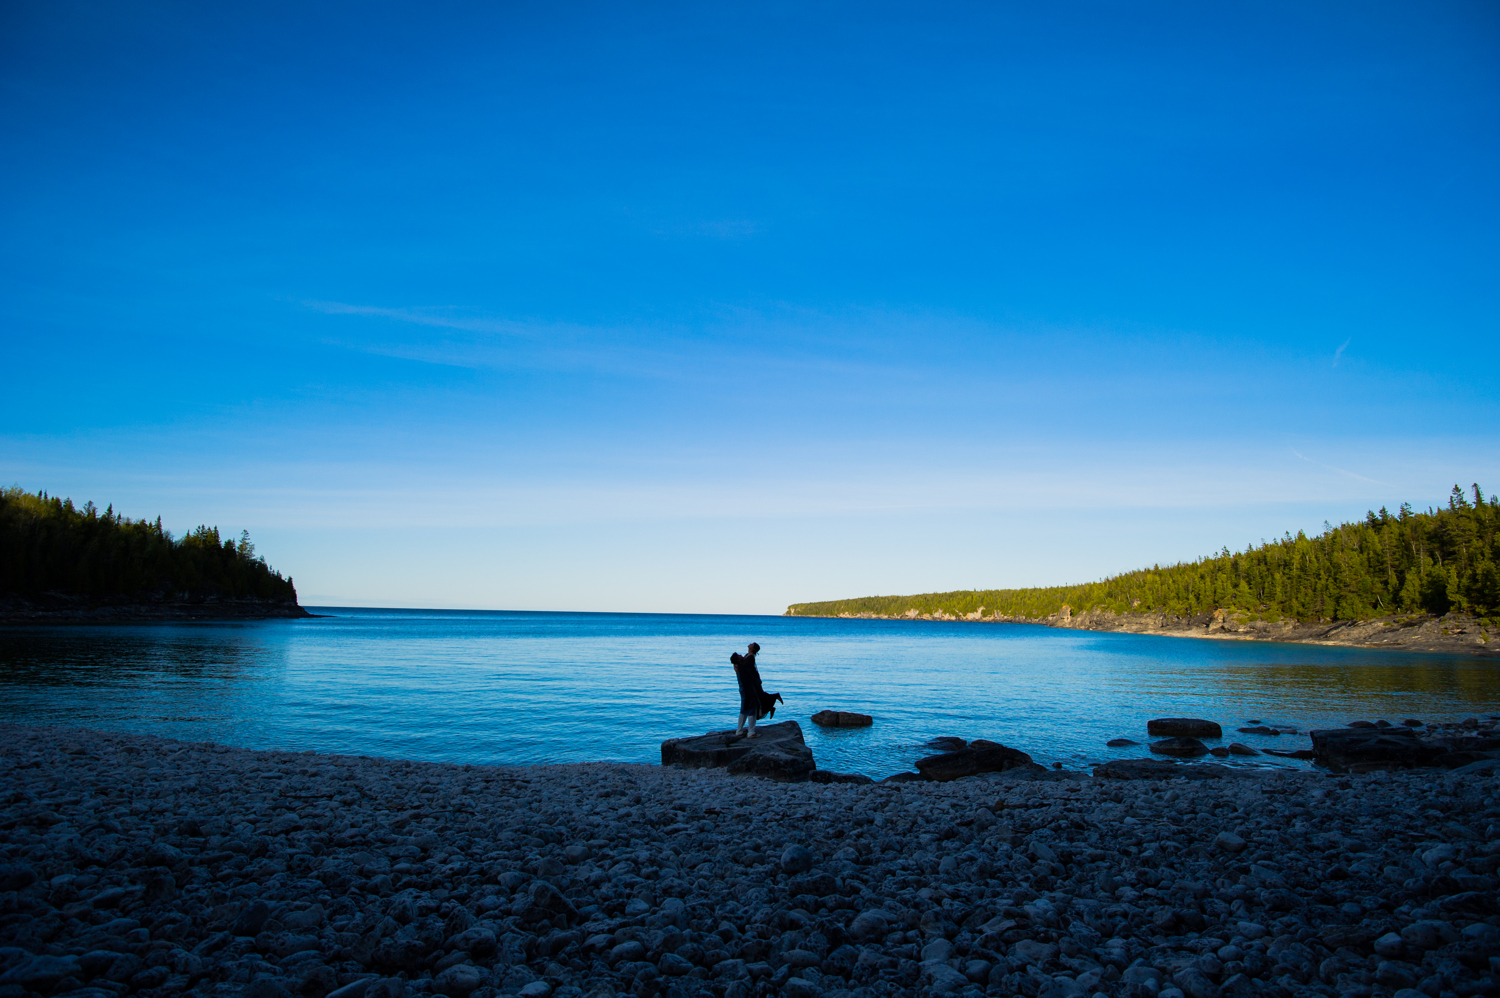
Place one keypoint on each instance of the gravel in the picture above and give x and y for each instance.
(133, 864)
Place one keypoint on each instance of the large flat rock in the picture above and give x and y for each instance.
(777, 751)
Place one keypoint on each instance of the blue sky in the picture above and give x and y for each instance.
(719, 307)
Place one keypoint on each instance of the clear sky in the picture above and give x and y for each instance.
(713, 307)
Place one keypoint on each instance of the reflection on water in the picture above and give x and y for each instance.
(553, 687)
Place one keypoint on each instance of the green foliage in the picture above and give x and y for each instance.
(48, 545)
(1432, 562)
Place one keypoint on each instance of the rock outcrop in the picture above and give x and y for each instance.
(777, 751)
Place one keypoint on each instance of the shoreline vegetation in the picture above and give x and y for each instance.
(148, 866)
(60, 563)
(1404, 581)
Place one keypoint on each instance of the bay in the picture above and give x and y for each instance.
(530, 687)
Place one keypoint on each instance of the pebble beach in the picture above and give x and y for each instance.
(139, 865)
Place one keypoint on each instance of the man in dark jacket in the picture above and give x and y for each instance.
(751, 693)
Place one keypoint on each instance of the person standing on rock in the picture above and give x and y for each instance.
(751, 693)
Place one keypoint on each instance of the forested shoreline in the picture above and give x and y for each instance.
(55, 554)
(1429, 562)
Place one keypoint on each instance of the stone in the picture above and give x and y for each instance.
(355, 988)
(946, 743)
(1121, 742)
(16, 876)
(970, 761)
(386, 987)
(1342, 749)
(1181, 747)
(1030, 951)
(869, 926)
(1229, 842)
(1236, 748)
(1390, 944)
(797, 987)
(904, 778)
(42, 973)
(1195, 983)
(458, 981)
(796, 859)
(1219, 752)
(841, 719)
(1184, 727)
(251, 919)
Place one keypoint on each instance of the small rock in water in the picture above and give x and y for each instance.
(842, 719)
(1185, 748)
(1219, 752)
(1236, 748)
(946, 743)
(1121, 742)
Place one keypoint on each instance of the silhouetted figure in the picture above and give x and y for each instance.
(755, 702)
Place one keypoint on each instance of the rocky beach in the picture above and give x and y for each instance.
(141, 865)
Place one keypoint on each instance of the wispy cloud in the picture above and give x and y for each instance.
(1341, 471)
(1340, 351)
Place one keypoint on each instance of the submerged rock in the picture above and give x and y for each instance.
(1121, 742)
(946, 743)
(1182, 748)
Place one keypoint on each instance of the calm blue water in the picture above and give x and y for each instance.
(499, 687)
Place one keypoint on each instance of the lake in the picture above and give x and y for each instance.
(526, 687)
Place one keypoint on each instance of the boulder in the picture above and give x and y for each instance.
(1236, 748)
(777, 751)
(841, 719)
(946, 743)
(1121, 742)
(1340, 749)
(1182, 748)
(1184, 727)
(970, 762)
(904, 778)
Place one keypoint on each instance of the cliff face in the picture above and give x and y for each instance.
(1453, 633)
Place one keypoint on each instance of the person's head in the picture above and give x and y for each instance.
(754, 648)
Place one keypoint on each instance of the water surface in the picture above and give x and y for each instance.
(521, 687)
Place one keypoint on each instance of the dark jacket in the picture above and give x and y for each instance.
(754, 700)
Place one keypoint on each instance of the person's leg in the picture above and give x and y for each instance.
(751, 732)
(740, 728)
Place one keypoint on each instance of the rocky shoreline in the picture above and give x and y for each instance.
(1453, 633)
(56, 608)
(139, 865)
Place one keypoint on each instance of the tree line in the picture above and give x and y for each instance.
(48, 545)
(1388, 563)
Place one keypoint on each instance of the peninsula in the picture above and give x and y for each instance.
(1415, 581)
(60, 563)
